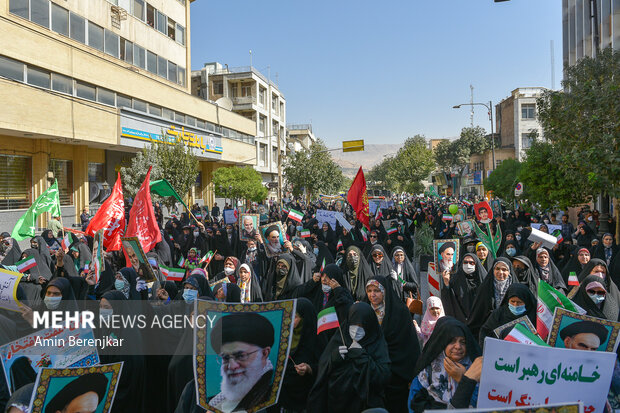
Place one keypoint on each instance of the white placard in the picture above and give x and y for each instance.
(547, 240)
(8, 290)
(323, 215)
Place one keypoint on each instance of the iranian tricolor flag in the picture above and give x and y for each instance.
(26, 264)
(322, 266)
(295, 215)
(548, 299)
(447, 217)
(181, 262)
(573, 281)
(66, 241)
(207, 257)
(339, 245)
(433, 280)
(327, 320)
(364, 232)
(172, 274)
(392, 231)
(521, 334)
(467, 203)
(304, 233)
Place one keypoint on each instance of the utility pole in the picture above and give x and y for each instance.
(471, 102)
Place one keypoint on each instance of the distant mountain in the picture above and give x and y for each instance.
(350, 162)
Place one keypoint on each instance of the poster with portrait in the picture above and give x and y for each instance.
(273, 238)
(576, 331)
(79, 389)
(496, 206)
(248, 226)
(483, 211)
(134, 255)
(466, 228)
(98, 263)
(446, 254)
(241, 353)
(460, 216)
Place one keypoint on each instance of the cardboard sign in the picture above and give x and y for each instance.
(323, 215)
(230, 216)
(8, 290)
(548, 408)
(515, 374)
(548, 240)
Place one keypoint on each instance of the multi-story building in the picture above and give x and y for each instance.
(86, 84)
(300, 136)
(248, 92)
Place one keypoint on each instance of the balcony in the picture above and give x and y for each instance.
(243, 102)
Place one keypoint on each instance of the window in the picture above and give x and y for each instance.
(198, 186)
(162, 67)
(150, 15)
(38, 77)
(106, 96)
(63, 172)
(281, 108)
(172, 72)
(151, 62)
(180, 34)
(527, 110)
(138, 9)
(15, 181)
(96, 172)
(40, 12)
(111, 43)
(498, 162)
(526, 141)
(20, 8)
(262, 124)
(274, 104)
(123, 101)
(85, 90)
(162, 22)
(95, 36)
(190, 120)
(261, 96)
(274, 155)
(139, 105)
(11, 69)
(246, 90)
(139, 56)
(154, 110)
(181, 74)
(60, 20)
(62, 83)
(171, 28)
(167, 114)
(200, 124)
(218, 88)
(126, 50)
(179, 117)
(262, 154)
(76, 28)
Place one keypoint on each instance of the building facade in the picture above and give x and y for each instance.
(300, 136)
(90, 83)
(249, 93)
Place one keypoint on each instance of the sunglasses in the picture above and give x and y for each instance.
(377, 255)
(599, 293)
(373, 236)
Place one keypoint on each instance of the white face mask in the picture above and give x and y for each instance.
(196, 233)
(105, 313)
(469, 268)
(326, 288)
(228, 270)
(546, 221)
(52, 303)
(356, 332)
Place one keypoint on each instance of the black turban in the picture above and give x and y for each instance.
(251, 328)
(270, 229)
(585, 327)
(91, 382)
(446, 245)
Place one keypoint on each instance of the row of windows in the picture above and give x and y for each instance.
(35, 76)
(158, 20)
(61, 21)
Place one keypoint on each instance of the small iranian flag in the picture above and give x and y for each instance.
(339, 245)
(548, 299)
(198, 215)
(327, 319)
(304, 233)
(295, 215)
(466, 203)
(392, 231)
(378, 214)
(447, 217)
(26, 264)
(364, 232)
(181, 262)
(322, 266)
(66, 241)
(433, 280)
(172, 274)
(573, 281)
(521, 334)
(207, 258)
(558, 234)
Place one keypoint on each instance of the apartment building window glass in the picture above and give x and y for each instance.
(201, 124)
(167, 114)
(179, 117)
(180, 34)
(274, 156)
(162, 22)
(162, 67)
(126, 50)
(233, 90)
(60, 20)
(38, 77)
(139, 56)
(274, 104)
(190, 120)
(15, 182)
(282, 109)
(218, 88)
(62, 83)
(138, 9)
(526, 140)
(77, 28)
(527, 110)
(246, 90)
(261, 96)
(63, 172)
(85, 90)
(140, 105)
(150, 15)
(20, 8)
(151, 62)
(40, 12)
(111, 43)
(262, 124)
(123, 101)
(154, 110)
(95, 36)
(11, 69)
(181, 79)
(106, 96)
(171, 28)
(262, 154)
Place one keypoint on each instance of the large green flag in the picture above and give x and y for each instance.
(163, 188)
(49, 201)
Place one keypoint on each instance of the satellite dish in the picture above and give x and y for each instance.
(225, 103)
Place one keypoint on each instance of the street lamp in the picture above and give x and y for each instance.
(490, 109)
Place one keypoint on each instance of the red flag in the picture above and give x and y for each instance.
(142, 222)
(111, 218)
(358, 198)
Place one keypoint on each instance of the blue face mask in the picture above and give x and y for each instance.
(516, 309)
(511, 251)
(190, 295)
(52, 303)
(316, 251)
(597, 298)
(119, 284)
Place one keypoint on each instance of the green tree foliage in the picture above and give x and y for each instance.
(313, 170)
(582, 122)
(176, 163)
(239, 183)
(412, 164)
(444, 155)
(503, 179)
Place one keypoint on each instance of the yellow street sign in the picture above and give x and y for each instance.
(353, 146)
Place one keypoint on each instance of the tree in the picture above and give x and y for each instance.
(175, 162)
(379, 172)
(503, 179)
(313, 170)
(239, 183)
(412, 164)
(444, 155)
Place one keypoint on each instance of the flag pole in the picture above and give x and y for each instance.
(215, 252)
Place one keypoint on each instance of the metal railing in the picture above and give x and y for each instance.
(302, 126)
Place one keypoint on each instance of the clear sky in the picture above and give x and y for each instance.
(384, 70)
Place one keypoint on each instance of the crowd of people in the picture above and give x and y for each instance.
(382, 355)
